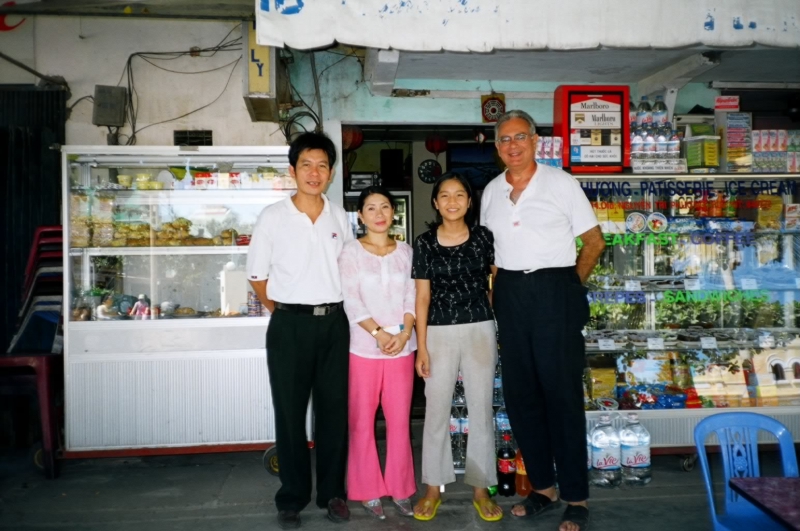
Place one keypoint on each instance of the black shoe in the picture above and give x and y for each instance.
(338, 511)
(288, 519)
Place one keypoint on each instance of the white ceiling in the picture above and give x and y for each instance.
(597, 66)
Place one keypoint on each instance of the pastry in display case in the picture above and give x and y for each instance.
(695, 303)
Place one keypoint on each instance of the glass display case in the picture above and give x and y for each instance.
(695, 303)
(157, 307)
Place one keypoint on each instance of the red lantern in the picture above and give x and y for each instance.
(436, 144)
(352, 137)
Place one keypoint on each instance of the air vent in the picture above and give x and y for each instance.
(193, 138)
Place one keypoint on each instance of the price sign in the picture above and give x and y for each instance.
(655, 343)
(692, 284)
(606, 344)
(749, 283)
(766, 341)
(708, 342)
(633, 285)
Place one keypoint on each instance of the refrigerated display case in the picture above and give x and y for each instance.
(695, 303)
(161, 347)
(401, 228)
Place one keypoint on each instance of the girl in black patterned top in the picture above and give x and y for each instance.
(455, 331)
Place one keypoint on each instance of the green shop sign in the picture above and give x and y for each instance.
(672, 297)
(666, 238)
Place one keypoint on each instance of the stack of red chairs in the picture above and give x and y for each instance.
(34, 356)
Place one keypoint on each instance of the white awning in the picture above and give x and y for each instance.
(486, 25)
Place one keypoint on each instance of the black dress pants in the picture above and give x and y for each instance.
(540, 316)
(305, 354)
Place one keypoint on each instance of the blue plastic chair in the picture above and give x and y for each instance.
(738, 439)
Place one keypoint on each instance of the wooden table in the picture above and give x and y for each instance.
(778, 497)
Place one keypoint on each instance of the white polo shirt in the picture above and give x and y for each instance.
(300, 258)
(538, 231)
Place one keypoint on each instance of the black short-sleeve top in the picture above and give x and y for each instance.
(459, 276)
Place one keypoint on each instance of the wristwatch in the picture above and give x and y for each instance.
(375, 332)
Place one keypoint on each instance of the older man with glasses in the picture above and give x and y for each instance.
(535, 213)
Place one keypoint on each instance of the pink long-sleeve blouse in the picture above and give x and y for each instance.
(379, 287)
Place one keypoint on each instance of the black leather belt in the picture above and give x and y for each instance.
(318, 310)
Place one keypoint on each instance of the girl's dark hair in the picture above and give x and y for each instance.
(308, 141)
(374, 189)
(470, 217)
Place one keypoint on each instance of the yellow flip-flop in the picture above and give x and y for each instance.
(427, 503)
(479, 506)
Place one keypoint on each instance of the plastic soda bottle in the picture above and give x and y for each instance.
(506, 469)
(523, 484)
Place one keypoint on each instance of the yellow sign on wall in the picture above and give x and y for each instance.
(259, 64)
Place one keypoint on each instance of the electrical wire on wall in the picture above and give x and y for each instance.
(132, 102)
(293, 125)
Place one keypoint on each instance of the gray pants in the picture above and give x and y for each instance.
(473, 349)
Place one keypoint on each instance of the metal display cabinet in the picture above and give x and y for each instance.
(695, 304)
(162, 349)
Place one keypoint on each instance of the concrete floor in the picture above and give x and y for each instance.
(234, 492)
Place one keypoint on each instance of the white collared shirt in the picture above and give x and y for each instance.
(300, 258)
(538, 231)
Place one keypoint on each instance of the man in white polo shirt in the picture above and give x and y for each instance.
(535, 213)
(292, 265)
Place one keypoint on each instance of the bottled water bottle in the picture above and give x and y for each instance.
(588, 453)
(464, 436)
(659, 112)
(502, 426)
(649, 144)
(662, 143)
(497, 395)
(459, 399)
(456, 438)
(635, 444)
(605, 454)
(644, 113)
(637, 143)
(673, 144)
(632, 115)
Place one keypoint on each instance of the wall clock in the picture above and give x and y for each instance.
(429, 170)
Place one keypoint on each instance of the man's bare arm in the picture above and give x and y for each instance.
(593, 245)
(260, 288)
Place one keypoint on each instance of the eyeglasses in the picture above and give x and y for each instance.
(505, 140)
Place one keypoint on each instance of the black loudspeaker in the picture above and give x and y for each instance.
(392, 168)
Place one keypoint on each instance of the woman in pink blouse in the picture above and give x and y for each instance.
(379, 297)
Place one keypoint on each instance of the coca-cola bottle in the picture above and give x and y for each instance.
(523, 484)
(506, 469)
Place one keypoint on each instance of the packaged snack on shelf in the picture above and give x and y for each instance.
(684, 225)
(729, 225)
(102, 234)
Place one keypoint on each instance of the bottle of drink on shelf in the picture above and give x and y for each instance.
(456, 437)
(659, 112)
(605, 454)
(523, 484)
(497, 395)
(632, 115)
(649, 147)
(644, 113)
(459, 399)
(502, 426)
(637, 143)
(464, 435)
(588, 452)
(506, 470)
(673, 144)
(635, 446)
(662, 142)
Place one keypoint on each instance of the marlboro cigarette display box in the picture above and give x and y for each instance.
(593, 123)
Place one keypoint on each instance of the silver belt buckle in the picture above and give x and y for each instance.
(320, 311)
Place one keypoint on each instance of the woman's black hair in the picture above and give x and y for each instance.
(374, 189)
(308, 141)
(449, 176)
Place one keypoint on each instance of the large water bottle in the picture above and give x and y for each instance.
(497, 394)
(502, 426)
(464, 435)
(644, 113)
(659, 112)
(456, 438)
(588, 452)
(635, 445)
(605, 454)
